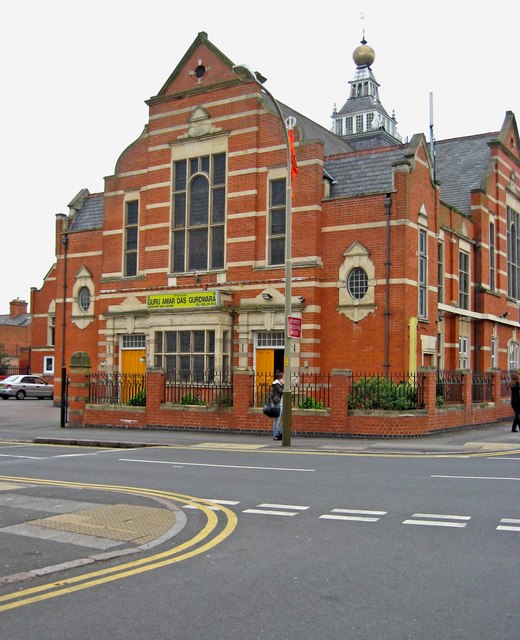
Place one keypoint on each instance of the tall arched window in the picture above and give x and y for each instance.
(199, 198)
(513, 244)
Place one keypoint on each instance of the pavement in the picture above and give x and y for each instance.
(47, 527)
(39, 422)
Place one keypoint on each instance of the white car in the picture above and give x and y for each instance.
(20, 387)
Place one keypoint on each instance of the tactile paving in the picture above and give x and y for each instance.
(8, 486)
(124, 522)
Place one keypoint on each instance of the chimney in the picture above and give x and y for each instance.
(17, 307)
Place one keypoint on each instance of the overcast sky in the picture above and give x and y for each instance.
(75, 75)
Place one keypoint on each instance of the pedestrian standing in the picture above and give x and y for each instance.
(514, 385)
(277, 399)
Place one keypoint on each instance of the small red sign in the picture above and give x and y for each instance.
(294, 327)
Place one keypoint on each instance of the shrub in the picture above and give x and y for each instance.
(311, 403)
(139, 400)
(382, 393)
(192, 398)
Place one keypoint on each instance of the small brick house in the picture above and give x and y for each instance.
(15, 337)
(400, 259)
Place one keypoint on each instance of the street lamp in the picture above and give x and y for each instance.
(63, 409)
(245, 73)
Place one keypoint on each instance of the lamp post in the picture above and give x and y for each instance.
(63, 409)
(245, 73)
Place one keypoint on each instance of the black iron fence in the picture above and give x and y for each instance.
(396, 391)
(7, 370)
(482, 387)
(505, 380)
(449, 387)
(117, 388)
(308, 390)
(198, 388)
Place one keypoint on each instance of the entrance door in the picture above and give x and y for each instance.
(264, 372)
(133, 368)
(133, 361)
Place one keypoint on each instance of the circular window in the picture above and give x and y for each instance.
(200, 70)
(84, 298)
(357, 283)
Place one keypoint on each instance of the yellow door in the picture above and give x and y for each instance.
(264, 373)
(133, 363)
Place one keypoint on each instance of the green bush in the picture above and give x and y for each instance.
(311, 403)
(139, 400)
(192, 398)
(382, 393)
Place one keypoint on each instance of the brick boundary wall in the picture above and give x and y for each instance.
(335, 421)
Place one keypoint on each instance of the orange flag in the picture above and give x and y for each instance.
(294, 166)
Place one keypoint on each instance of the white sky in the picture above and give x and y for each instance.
(75, 75)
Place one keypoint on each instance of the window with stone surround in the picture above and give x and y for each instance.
(198, 216)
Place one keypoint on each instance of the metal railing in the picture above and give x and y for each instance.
(7, 370)
(482, 387)
(449, 387)
(117, 388)
(198, 388)
(505, 379)
(396, 391)
(308, 390)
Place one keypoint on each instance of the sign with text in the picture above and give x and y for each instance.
(294, 327)
(183, 300)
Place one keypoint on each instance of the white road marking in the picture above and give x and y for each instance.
(219, 466)
(440, 515)
(448, 520)
(12, 455)
(354, 515)
(353, 518)
(361, 511)
(282, 506)
(217, 502)
(267, 508)
(267, 512)
(475, 477)
(435, 523)
(507, 524)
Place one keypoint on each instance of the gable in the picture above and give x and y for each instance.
(202, 66)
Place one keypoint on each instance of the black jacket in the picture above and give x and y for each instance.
(276, 391)
(515, 394)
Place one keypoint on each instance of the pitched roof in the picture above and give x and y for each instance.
(21, 320)
(460, 165)
(90, 215)
(363, 173)
(311, 130)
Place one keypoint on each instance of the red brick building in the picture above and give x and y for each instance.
(399, 259)
(15, 337)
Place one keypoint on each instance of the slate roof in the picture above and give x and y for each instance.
(90, 215)
(21, 320)
(333, 144)
(460, 166)
(364, 173)
(365, 103)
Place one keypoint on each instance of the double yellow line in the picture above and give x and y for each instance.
(205, 539)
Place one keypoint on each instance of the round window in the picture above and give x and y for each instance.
(357, 283)
(84, 298)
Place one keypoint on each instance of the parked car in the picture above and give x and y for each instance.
(20, 387)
